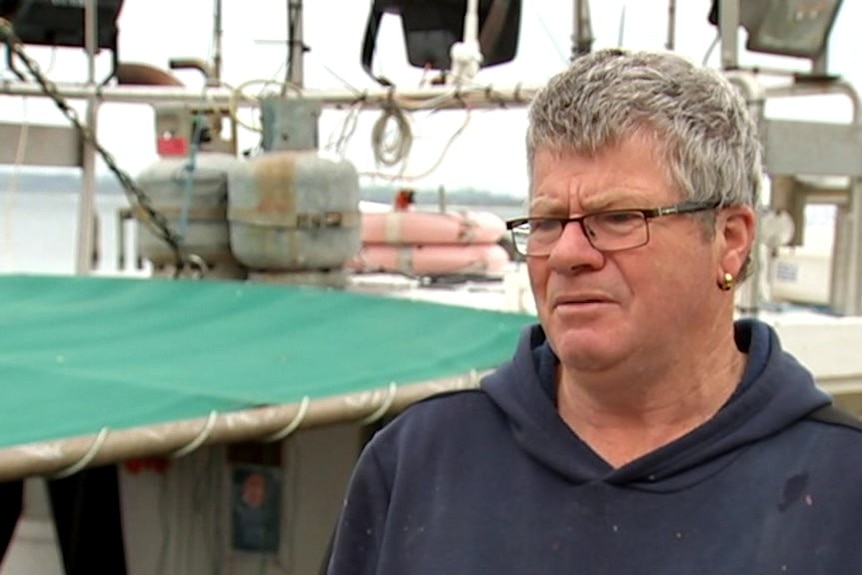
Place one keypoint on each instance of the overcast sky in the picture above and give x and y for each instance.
(490, 152)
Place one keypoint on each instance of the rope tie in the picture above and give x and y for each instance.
(384, 406)
(202, 436)
(88, 457)
(294, 423)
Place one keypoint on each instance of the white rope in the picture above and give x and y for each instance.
(384, 407)
(294, 424)
(199, 439)
(86, 458)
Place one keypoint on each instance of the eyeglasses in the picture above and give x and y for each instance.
(610, 231)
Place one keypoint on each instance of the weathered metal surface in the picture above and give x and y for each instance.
(294, 211)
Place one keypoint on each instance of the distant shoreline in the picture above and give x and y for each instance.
(29, 182)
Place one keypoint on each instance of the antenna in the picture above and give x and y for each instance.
(622, 31)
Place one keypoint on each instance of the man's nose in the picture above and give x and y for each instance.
(573, 248)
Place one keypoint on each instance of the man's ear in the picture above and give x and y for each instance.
(735, 229)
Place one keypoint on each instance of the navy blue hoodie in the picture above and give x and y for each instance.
(492, 481)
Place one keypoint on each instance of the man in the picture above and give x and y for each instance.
(637, 429)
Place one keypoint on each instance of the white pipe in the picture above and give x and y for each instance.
(471, 22)
(86, 209)
(480, 97)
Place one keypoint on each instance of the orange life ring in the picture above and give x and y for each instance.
(432, 260)
(426, 228)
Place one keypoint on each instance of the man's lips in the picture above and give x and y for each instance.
(582, 298)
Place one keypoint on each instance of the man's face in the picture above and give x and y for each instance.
(637, 305)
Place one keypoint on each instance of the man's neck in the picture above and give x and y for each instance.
(631, 412)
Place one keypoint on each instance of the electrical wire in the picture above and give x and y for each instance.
(563, 58)
(709, 50)
(239, 93)
(402, 176)
(197, 135)
(348, 129)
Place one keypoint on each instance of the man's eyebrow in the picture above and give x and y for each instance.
(616, 199)
(613, 199)
(549, 206)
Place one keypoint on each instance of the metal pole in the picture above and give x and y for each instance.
(671, 25)
(441, 199)
(479, 96)
(86, 210)
(296, 43)
(845, 296)
(820, 64)
(215, 77)
(582, 37)
(854, 272)
(728, 24)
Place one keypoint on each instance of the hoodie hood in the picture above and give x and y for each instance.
(776, 392)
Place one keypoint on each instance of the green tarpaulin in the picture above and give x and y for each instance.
(81, 354)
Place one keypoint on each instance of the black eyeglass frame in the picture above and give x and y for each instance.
(687, 207)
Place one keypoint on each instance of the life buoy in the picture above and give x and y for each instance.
(431, 228)
(432, 260)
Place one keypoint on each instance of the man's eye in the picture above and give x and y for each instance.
(543, 225)
(621, 217)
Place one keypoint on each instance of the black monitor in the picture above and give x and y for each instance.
(431, 27)
(60, 23)
(798, 28)
(53, 23)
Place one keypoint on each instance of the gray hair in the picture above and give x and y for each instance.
(698, 119)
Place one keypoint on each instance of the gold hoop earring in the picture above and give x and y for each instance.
(728, 282)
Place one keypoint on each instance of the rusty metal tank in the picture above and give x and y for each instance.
(294, 211)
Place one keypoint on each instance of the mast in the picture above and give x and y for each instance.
(671, 25)
(215, 78)
(295, 44)
(86, 209)
(582, 33)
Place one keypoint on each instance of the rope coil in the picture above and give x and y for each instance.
(394, 149)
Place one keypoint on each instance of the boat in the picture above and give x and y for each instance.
(205, 402)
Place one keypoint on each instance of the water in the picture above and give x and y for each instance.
(505, 212)
(39, 230)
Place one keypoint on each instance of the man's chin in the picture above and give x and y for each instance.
(587, 350)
